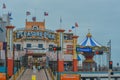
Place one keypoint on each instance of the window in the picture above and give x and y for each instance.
(69, 49)
(18, 47)
(1, 63)
(28, 45)
(65, 37)
(51, 45)
(68, 36)
(40, 45)
(35, 27)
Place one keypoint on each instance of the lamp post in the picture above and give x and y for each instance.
(13, 57)
(57, 49)
(57, 66)
(109, 59)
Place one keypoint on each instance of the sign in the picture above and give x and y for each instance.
(30, 34)
(33, 77)
(68, 57)
(70, 77)
(78, 49)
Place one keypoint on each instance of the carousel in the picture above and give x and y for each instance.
(89, 64)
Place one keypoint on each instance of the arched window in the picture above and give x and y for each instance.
(35, 28)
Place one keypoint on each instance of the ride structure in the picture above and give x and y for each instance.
(92, 48)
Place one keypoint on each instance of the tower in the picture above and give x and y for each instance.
(75, 61)
(60, 55)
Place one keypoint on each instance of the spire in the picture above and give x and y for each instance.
(89, 34)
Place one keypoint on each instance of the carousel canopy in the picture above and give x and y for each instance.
(89, 41)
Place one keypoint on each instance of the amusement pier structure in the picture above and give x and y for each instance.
(24, 50)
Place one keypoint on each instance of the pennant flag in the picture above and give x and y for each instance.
(0, 19)
(4, 6)
(69, 30)
(34, 18)
(78, 57)
(60, 20)
(28, 13)
(4, 45)
(73, 27)
(1, 29)
(45, 13)
(10, 18)
(76, 24)
(9, 15)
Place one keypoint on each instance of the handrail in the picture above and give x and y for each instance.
(46, 74)
(51, 73)
(16, 76)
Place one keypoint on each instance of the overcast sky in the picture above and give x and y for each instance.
(102, 17)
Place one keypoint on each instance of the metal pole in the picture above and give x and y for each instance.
(57, 64)
(6, 60)
(109, 59)
(13, 57)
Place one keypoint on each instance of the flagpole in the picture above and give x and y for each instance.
(26, 18)
(76, 25)
(3, 8)
(27, 14)
(45, 14)
(44, 18)
(75, 32)
(60, 22)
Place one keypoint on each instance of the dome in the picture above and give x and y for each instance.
(89, 41)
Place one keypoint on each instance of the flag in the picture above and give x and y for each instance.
(10, 18)
(76, 24)
(73, 27)
(0, 19)
(28, 13)
(34, 18)
(78, 57)
(45, 13)
(60, 20)
(4, 6)
(1, 30)
(4, 46)
(9, 15)
(69, 30)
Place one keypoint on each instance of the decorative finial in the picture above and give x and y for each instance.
(89, 34)
(88, 30)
